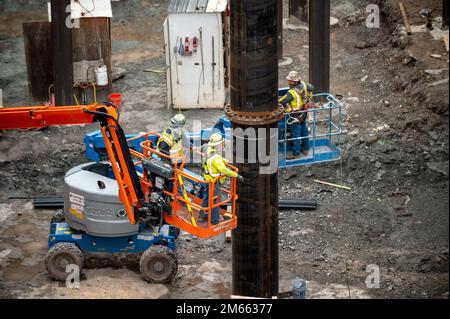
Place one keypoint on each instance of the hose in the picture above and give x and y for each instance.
(94, 91)
(49, 94)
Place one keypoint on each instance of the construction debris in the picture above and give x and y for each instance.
(285, 61)
(118, 73)
(434, 72)
(155, 71)
(440, 82)
(436, 56)
(331, 184)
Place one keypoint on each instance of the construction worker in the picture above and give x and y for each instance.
(294, 101)
(215, 167)
(172, 135)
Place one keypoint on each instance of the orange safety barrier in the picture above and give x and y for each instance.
(180, 216)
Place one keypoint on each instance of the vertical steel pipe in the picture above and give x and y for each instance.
(319, 45)
(254, 87)
(445, 13)
(62, 52)
(280, 29)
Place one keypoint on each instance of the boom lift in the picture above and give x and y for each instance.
(122, 206)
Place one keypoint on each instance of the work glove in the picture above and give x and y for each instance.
(240, 178)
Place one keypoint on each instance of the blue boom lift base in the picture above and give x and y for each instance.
(144, 239)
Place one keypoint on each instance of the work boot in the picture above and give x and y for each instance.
(292, 157)
(227, 216)
(305, 152)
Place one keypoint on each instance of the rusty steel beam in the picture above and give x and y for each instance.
(254, 88)
(319, 45)
(62, 53)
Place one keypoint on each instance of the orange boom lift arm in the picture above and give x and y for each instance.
(130, 190)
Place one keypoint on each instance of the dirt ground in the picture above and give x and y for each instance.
(394, 158)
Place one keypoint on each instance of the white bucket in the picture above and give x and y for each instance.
(101, 75)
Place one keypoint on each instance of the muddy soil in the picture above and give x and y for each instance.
(394, 158)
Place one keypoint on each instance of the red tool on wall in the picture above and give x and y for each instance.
(187, 46)
(194, 44)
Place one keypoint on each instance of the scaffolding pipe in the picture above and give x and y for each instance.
(254, 87)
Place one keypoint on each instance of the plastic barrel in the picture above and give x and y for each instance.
(101, 75)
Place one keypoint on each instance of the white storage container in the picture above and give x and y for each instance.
(194, 46)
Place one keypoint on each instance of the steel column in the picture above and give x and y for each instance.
(254, 87)
(445, 13)
(62, 53)
(319, 45)
(280, 29)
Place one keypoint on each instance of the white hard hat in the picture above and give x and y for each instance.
(215, 139)
(293, 76)
(178, 120)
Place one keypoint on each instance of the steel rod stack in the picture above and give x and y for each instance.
(254, 87)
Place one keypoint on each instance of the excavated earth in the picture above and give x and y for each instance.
(394, 158)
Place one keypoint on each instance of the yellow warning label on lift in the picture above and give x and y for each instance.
(76, 213)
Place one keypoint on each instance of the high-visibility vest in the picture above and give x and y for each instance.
(168, 137)
(210, 172)
(299, 96)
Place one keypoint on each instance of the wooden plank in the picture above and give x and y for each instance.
(331, 184)
(405, 18)
(446, 41)
(37, 38)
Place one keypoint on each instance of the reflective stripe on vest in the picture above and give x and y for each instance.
(208, 167)
(167, 137)
(298, 105)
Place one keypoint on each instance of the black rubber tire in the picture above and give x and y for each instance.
(158, 264)
(71, 254)
(177, 232)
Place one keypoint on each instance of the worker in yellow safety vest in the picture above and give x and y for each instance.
(215, 166)
(295, 102)
(172, 135)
